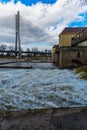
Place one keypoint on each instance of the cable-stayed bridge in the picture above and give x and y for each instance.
(15, 31)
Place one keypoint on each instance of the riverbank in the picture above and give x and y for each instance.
(45, 119)
(37, 57)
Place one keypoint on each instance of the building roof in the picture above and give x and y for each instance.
(73, 29)
(55, 46)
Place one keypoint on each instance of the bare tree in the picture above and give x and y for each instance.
(35, 49)
(3, 48)
(28, 50)
(12, 49)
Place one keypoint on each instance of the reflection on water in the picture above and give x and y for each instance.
(43, 86)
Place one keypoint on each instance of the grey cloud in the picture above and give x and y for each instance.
(29, 33)
(36, 30)
(7, 30)
(32, 33)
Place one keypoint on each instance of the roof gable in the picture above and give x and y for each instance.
(73, 30)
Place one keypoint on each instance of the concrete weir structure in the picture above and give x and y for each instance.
(72, 48)
(73, 56)
(45, 119)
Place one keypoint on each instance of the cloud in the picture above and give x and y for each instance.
(40, 22)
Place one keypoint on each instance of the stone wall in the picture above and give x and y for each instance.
(73, 56)
(70, 56)
(55, 58)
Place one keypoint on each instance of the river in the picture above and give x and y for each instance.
(44, 86)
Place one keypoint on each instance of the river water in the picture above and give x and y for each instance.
(44, 86)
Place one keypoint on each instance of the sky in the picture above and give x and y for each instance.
(41, 22)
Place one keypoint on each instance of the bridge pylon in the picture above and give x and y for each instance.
(17, 38)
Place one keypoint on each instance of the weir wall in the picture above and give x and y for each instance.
(71, 56)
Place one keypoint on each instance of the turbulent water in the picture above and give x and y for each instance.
(44, 86)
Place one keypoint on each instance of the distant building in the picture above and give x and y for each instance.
(72, 48)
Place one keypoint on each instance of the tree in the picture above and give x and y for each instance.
(35, 49)
(28, 50)
(11, 48)
(3, 48)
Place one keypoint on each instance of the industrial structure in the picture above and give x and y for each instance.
(72, 48)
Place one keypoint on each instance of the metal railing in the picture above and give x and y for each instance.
(80, 37)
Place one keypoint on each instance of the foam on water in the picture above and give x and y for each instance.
(41, 88)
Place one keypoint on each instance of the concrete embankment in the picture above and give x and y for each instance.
(45, 119)
(21, 64)
(15, 64)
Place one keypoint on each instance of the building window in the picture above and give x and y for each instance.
(78, 55)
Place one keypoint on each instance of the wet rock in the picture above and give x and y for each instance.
(82, 71)
(14, 86)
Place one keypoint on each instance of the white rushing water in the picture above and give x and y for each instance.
(43, 87)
